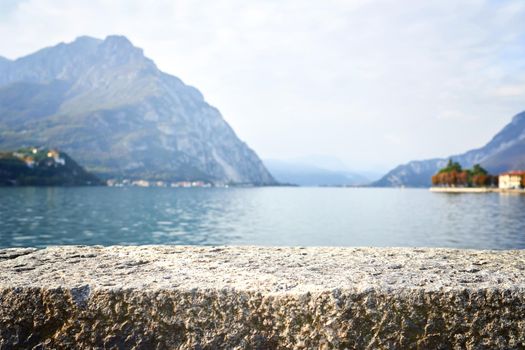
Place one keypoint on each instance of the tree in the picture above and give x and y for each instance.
(454, 175)
(463, 178)
(495, 180)
(451, 166)
(480, 180)
(443, 178)
(478, 170)
(453, 178)
(446, 179)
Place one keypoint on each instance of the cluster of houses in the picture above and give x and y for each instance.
(146, 183)
(30, 156)
(511, 180)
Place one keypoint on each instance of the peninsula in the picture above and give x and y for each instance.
(454, 179)
(37, 166)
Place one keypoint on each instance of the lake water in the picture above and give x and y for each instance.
(260, 216)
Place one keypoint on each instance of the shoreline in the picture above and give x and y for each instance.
(475, 190)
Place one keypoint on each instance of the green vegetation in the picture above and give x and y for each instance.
(451, 166)
(31, 166)
(453, 175)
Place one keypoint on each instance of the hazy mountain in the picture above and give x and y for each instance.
(116, 113)
(334, 164)
(304, 174)
(506, 151)
(320, 161)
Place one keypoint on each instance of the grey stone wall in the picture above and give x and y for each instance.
(169, 297)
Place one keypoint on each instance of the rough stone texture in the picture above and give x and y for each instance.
(171, 297)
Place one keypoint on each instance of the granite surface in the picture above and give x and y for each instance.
(175, 297)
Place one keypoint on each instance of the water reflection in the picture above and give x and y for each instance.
(266, 216)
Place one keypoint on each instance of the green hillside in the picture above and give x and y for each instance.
(33, 166)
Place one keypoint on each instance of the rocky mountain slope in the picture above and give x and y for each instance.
(506, 151)
(114, 111)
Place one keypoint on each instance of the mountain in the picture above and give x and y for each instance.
(109, 107)
(320, 161)
(304, 174)
(506, 151)
(42, 167)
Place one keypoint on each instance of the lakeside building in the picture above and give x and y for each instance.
(146, 183)
(511, 179)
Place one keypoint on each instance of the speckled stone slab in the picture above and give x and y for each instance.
(174, 297)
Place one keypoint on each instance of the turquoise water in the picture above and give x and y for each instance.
(260, 216)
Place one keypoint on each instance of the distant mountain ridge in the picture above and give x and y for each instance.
(506, 151)
(117, 114)
(302, 173)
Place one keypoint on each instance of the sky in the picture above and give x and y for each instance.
(374, 83)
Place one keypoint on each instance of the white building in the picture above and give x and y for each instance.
(511, 179)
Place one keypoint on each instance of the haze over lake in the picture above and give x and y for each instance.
(270, 216)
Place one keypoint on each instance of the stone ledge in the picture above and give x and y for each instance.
(262, 298)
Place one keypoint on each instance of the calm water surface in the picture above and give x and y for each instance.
(261, 216)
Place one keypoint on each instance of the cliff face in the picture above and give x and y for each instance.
(112, 109)
(506, 151)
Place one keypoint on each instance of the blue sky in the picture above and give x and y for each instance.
(372, 82)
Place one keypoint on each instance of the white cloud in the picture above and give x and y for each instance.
(308, 77)
(450, 115)
(517, 90)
